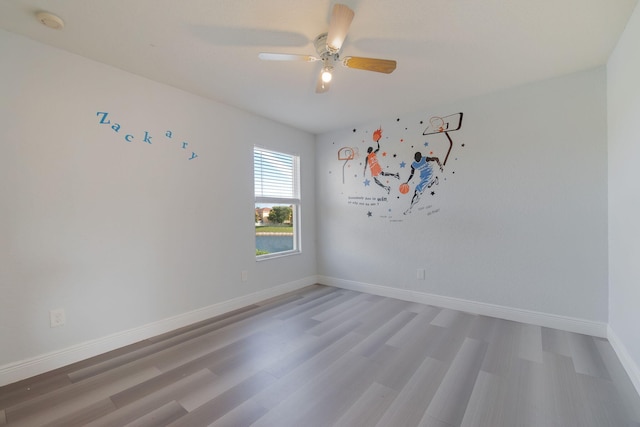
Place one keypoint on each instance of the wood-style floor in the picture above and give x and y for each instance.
(329, 357)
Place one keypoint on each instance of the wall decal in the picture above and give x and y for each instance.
(145, 137)
(374, 165)
(346, 154)
(427, 179)
(444, 125)
(409, 165)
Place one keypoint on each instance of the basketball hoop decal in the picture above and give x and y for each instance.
(450, 123)
(446, 124)
(346, 154)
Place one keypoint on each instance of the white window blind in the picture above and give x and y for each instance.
(274, 175)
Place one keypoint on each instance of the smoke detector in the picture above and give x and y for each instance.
(50, 20)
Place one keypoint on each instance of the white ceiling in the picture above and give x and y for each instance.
(446, 49)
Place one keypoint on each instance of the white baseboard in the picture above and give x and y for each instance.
(17, 371)
(588, 327)
(629, 365)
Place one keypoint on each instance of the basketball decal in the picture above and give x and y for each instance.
(394, 171)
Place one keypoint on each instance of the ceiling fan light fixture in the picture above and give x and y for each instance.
(327, 73)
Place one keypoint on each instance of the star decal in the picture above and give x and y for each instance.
(426, 144)
(384, 154)
(402, 165)
(369, 214)
(366, 182)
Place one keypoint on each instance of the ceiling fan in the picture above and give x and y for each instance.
(328, 47)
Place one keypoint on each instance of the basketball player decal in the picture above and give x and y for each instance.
(404, 170)
(374, 166)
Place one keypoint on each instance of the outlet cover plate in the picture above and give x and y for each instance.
(57, 317)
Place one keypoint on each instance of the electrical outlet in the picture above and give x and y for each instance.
(57, 317)
(420, 274)
(244, 275)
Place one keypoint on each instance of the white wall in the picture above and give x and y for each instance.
(623, 96)
(123, 234)
(519, 218)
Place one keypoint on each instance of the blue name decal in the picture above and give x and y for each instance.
(146, 137)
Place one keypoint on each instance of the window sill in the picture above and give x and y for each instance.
(277, 255)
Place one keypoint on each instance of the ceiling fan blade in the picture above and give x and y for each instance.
(322, 86)
(370, 64)
(265, 56)
(341, 18)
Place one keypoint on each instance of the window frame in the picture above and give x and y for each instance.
(294, 201)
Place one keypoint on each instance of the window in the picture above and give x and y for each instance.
(277, 203)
